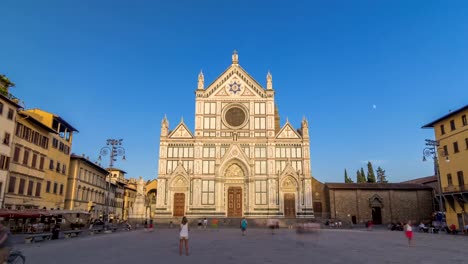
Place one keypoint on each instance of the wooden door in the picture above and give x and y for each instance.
(179, 204)
(376, 216)
(289, 205)
(235, 202)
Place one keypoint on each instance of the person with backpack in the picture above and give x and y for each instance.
(243, 226)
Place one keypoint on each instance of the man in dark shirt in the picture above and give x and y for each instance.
(5, 244)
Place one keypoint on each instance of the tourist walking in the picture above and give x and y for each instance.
(243, 226)
(409, 233)
(183, 235)
(205, 223)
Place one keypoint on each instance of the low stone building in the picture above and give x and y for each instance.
(382, 203)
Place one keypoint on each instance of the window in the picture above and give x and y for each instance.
(38, 189)
(442, 130)
(466, 143)
(41, 163)
(259, 108)
(10, 113)
(1, 108)
(30, 188)
(455, 147)
(55, 143)
(445, 151)
(461, 180)
(464, 120)
(208, 191)
(259, 123)
(6, 139)
(12, 184)
(260, 192)
(26, 157)
(64, 169)
(21, 186)
(34, 160)
(57, 169)
(210, 108)
(4, 163)
(209, 123)
(17, 154)
(260, 167)
(55, 187)
(209, 152)
(48, 187)
(51, 165)
(260, 152)
(61, 189)
(449, 179)
(208, 166)
(452, 125)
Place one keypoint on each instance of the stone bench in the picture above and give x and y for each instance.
(71, 233)
(31, 238)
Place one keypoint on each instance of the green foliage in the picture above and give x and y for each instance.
(346, 178)
(370, 173)
(381, 178)
(361, 177)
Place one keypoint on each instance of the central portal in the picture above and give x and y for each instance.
(289, 205)
(235, 202)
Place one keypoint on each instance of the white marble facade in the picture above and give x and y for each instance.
(238, 161)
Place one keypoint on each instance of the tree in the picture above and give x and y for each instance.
(370, 173)
(346, 178)
(361, 177)
(381, 175)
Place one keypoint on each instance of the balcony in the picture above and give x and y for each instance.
(453, 188)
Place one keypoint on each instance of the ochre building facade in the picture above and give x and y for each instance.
(238, 161)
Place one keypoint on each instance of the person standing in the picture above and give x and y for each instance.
(205, 223)
(5, 243)
(243, 226)
(409, 233)
(183, 235)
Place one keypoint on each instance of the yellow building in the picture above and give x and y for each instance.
(129, 198)
(30, 146)
(56, 173)
(118, 179)
(86, 187)
(451, 132)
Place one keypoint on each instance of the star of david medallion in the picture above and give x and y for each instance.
(235, 87)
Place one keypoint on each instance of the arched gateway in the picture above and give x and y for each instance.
(238, 161)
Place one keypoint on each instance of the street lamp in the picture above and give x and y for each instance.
(431, 151)
(113, 150)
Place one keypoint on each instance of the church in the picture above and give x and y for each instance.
(239, 161)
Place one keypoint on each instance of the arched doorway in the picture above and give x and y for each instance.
(179, 189)
(376, 204)
(235, 200)
(289, 189)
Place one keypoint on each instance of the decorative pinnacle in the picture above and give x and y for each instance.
(235, 57)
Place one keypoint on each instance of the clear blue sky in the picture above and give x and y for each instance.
(114, 68)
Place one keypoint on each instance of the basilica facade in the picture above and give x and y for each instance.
(239, 161)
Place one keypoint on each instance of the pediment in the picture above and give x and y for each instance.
(235, 152)
(289, 171)
(288, 132)
(180, 170)
(181, 131)
(235, 82)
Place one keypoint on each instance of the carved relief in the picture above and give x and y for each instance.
(234, 171)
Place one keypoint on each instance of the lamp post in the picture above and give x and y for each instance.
(431, 151)
(113, 150)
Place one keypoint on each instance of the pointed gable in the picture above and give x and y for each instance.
(181, 131)
(235, 152)
(288, 132)
(235, 81)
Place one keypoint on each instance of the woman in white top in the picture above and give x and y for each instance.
(409, 233)
(184, 235)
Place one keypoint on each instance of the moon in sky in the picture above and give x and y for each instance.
(374, 106)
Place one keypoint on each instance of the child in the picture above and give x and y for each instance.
(184, 232)
(243, 226)
(409, 233)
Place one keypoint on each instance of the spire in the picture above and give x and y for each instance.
(235, 57)
(269, 81)
(164, 127)
(305, 128)
(201, 81)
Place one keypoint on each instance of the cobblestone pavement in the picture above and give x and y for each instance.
(258, 246)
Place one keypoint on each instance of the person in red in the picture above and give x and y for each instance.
(453, 229)
(409, 233)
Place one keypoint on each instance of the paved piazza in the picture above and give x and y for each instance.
(259, 246)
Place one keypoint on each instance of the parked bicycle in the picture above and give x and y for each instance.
(16, 257)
